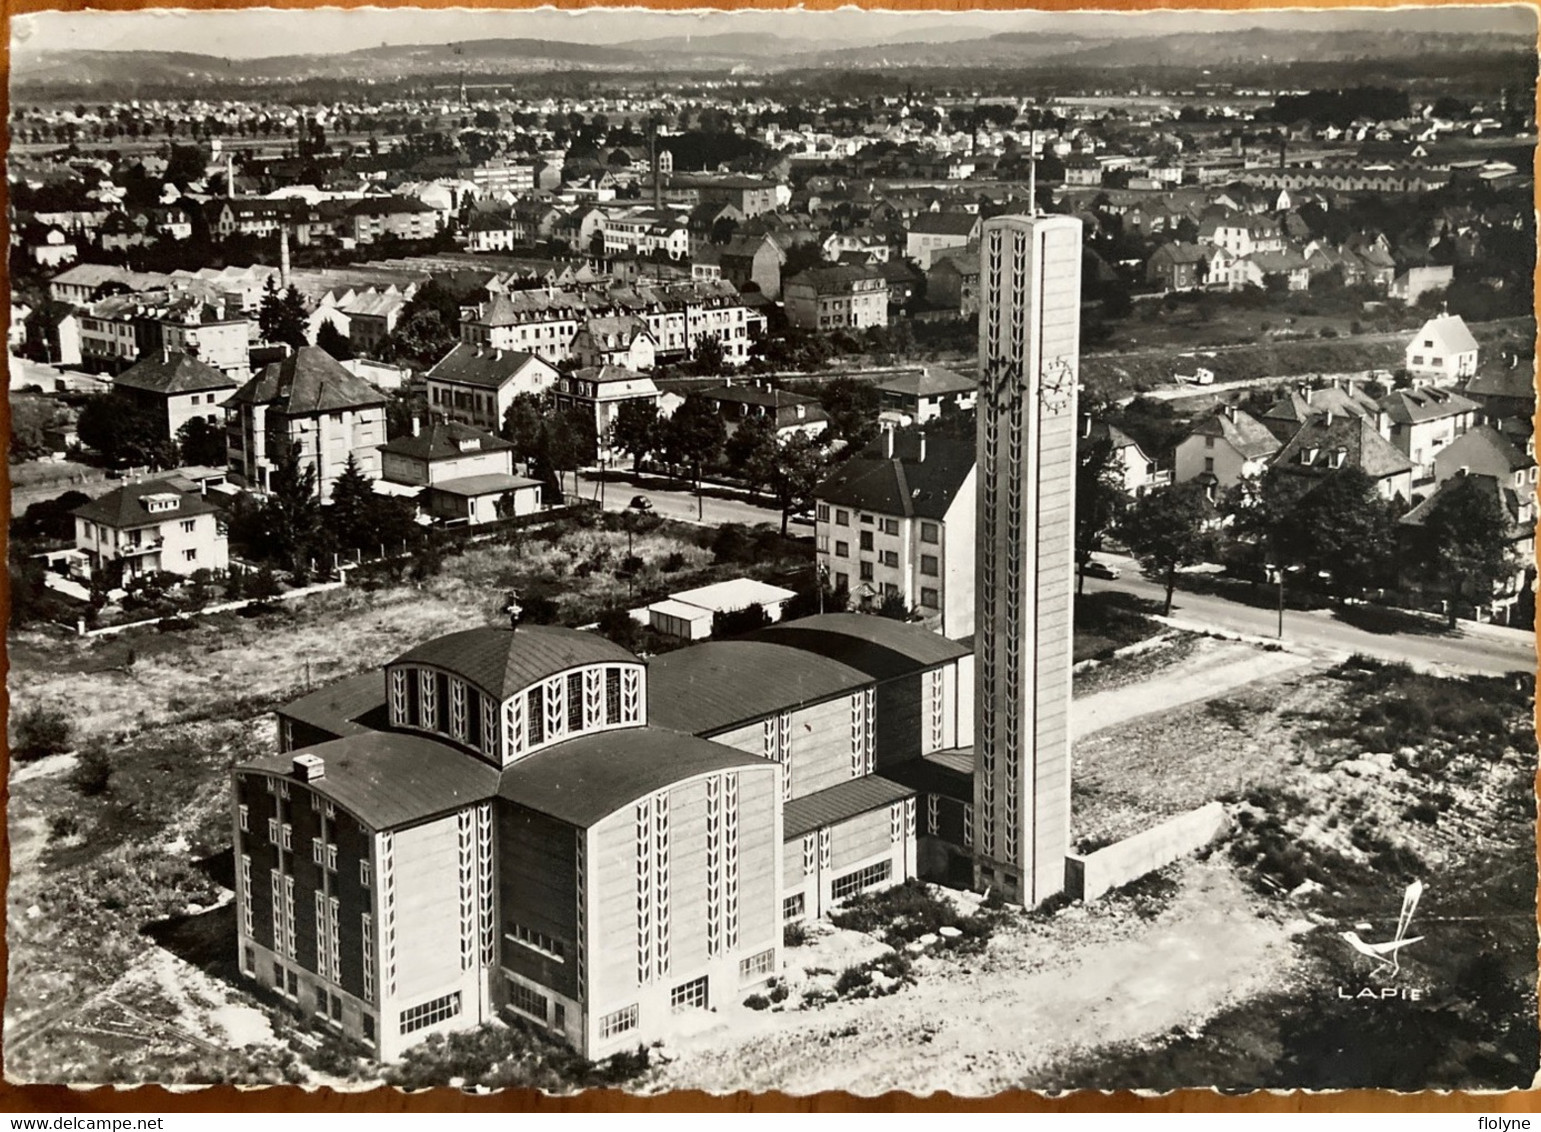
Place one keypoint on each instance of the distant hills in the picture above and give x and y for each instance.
(101, 71)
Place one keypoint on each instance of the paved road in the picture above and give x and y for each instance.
(1487, 649)
(716, 509)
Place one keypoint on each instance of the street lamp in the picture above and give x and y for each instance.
(1276, 574)
(639, 505)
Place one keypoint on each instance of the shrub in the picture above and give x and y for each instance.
(757, 1002)
(852, 979)
(62, 826)
(93, 773)
(731, 543)
(674, 563)
(779, 991)
(794, 935)
(41, 731)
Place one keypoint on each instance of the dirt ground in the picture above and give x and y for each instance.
(1063, 988)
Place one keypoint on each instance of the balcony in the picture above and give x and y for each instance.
(140, 546)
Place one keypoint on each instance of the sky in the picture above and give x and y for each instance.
(257, 32)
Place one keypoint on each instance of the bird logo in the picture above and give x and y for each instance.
(1389, 954)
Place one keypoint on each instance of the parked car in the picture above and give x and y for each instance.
(1094, 569)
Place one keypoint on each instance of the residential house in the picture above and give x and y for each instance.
(1504, 389)
(897, 521)
(310, 401)
(1083, 171)
(756, 260)
(177, 388)
(1177, 266)
(149, 527)
(1422, 421)
(921, 396)
(1416, 282)
(1296, 406)
(1137, 473)
(444, 450)
(215, 334)
(1329, 441)
(1246, 234)
(86, 282)
(490, 232)
(473, 500)
(932, 232)
(1518, 504)
(788, 413)
(402, 217)
(1442, 352)
(475, 385)
(615, 340)
(952, 283)
(1276, 270)
(601, 391)
(52, 248)
(1225, 448)
(834, 298)
(1485, 451)
(372, 319)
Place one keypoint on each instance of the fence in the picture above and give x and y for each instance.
(222, 607)
(1089, 875)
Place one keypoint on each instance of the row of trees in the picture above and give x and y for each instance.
(1336, 535)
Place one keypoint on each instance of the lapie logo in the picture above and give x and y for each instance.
(1388, 955)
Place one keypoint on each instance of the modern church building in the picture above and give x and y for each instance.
(532, 822)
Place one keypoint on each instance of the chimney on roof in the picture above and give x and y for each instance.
(230, 175)
(417, 425)
(309, 768)
(1329, 418)
(922, 458)
(888, 442)
(1230, 412)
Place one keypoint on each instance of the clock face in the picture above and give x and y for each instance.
(1056, 385)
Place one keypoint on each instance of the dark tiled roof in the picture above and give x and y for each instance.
(343, 707)
(929, 381)
(1516, 381)
(443, 440)
(308, 381)
(902, 484)
(387, 779)
(949, 773)
(583, 780)
(504, 661)
(840, 803)
(474, 365)
(879, 646)
(1412, 406)
(125, 507)
(1364, 448)
(944, 224)
(170, 374)
(710, 687)
(1245, 433)
(1484, 450)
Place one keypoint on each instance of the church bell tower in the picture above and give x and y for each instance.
(1029, 363)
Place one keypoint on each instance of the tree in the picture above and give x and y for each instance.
(695, 435)
(202, 443)
(330, 339)
(422, 337)
(126, 435)
(636, 430)
(852, 407)
(522, 425)
(1168, 528)
(568, 441)
(1099, 496)
(291, 516)
(1460, 549)
(281, 315)
(351, 515)
(708, 356)
(797, 468)
(1340, 528)
(751, 452)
